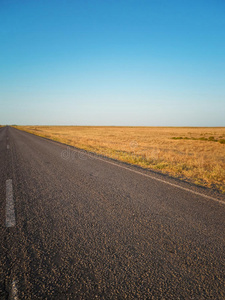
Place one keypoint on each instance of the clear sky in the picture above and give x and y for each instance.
(112, 62)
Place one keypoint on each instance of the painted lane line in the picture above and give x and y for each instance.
(164, 181)
(10, 220)
(14, 291)
(147, 175)
(7, 147)
(131, 170)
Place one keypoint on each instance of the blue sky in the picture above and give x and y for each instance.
(108, 62)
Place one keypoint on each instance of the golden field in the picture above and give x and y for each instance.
(193, 154)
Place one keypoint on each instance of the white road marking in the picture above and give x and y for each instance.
(10, 220)
(164, 181)
(137, 172)
(8, 147)
(14, 291)
(149, 176)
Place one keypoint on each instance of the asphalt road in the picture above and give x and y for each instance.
(91, 228)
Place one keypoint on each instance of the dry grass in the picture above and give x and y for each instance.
(194, 154)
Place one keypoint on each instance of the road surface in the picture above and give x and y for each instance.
(79, 226)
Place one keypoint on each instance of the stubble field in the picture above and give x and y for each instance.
(193, 154)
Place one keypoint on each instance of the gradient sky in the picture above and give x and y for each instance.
(112, 62)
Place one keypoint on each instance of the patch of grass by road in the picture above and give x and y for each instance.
(209, 139)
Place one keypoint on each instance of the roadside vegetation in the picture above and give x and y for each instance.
(196, 155)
